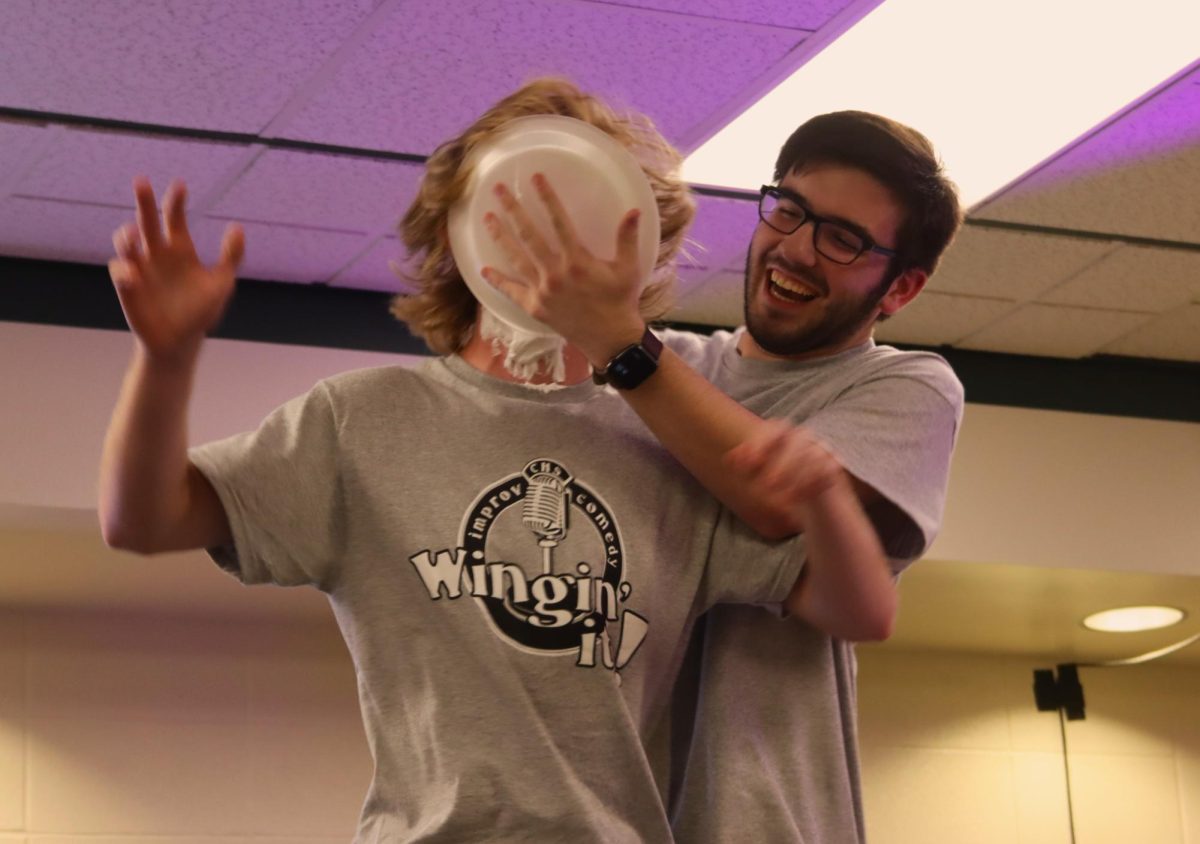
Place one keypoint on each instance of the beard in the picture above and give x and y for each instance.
(838, 323)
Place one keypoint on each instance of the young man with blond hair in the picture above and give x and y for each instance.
(514, 570)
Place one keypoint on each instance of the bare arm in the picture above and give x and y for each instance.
(151, 497)
(846, 587)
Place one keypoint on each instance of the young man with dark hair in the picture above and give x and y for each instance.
(849, 233)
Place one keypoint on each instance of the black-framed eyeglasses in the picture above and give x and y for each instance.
(783, 211)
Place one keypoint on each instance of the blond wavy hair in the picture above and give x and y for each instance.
(442, 310)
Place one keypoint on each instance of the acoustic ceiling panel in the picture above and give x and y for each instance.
(808, 14)
(936, 319)
(1012, 265)
(1136, 177)
(20, 144)
(431, 68)
(59, 231)
(1134, 278)
(221, 64)
(88, 166)
(1172, 336)
(689, 278)
(1054, 331)
(721, 232)
(284, 253)
(372, 270)
(716, 301)
(324, 191)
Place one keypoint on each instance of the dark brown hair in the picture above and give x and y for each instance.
(900, 158)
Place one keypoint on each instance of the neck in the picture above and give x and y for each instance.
(748, 348)
(488, 357)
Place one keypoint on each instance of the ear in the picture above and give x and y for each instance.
(904, 289)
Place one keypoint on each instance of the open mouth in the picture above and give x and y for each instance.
(789, 289)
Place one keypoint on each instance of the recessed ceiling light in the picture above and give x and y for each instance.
(997, 86)
(1133, 619)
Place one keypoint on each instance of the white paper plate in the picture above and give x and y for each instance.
(597, 180)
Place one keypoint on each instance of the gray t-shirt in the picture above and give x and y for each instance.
(515, 574)
(765, 728)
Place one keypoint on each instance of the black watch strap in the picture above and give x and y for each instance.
(632, 365)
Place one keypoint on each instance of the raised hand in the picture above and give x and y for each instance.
(790, 468)
(169, 297)
(590, 301)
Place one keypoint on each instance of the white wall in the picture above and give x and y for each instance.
(954, 750)
(185, 730)
(1073, 490)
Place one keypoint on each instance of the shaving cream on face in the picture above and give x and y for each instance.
(526, 354)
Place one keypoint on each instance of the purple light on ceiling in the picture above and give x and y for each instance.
(1166, 123)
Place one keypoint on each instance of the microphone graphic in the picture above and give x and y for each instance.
(545, 512)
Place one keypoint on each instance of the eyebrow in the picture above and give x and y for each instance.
(841, 221)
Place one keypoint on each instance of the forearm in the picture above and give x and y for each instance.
(699, 425)
(146, 482)
(846, 588)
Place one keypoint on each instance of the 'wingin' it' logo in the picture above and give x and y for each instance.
(572, 608)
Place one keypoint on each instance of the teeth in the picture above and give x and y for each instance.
(791, 285)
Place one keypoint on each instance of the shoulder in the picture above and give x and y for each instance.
(360, 380)
(363, 389)
(914, 367)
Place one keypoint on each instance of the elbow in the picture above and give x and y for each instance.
(118, 538)
(121, 536)
(878, 628)
(877, 623)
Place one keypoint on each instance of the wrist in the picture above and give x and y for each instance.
(835, 497)
(178, 361)
(602, 350)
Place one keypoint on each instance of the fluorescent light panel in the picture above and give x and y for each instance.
(997, 86)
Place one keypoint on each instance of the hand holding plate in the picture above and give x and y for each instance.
(591, 301)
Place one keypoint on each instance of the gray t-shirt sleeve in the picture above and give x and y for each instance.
(744, 568)
(896, 431)
(281, 491)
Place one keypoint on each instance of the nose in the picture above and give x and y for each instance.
(799, 246)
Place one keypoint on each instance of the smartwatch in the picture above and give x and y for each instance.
(632, 365)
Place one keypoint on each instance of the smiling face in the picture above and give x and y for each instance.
(799, 304)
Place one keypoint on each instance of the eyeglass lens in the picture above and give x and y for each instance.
(835, 242)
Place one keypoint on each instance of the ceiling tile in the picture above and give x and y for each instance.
(1172, 336)
(329, 191)
(99, 167)
(19, 146)
(432, 67)
(811, 14)
(1011, 265)
(721, 232)
(283, 253)
(692, 277)
(221, 64)
(936, 319)
(1134, 278)
(59, 231)
(1054, 331)
(1150, 159)
(716, 301)
(372, 271)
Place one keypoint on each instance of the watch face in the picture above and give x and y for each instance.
(631, 367)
